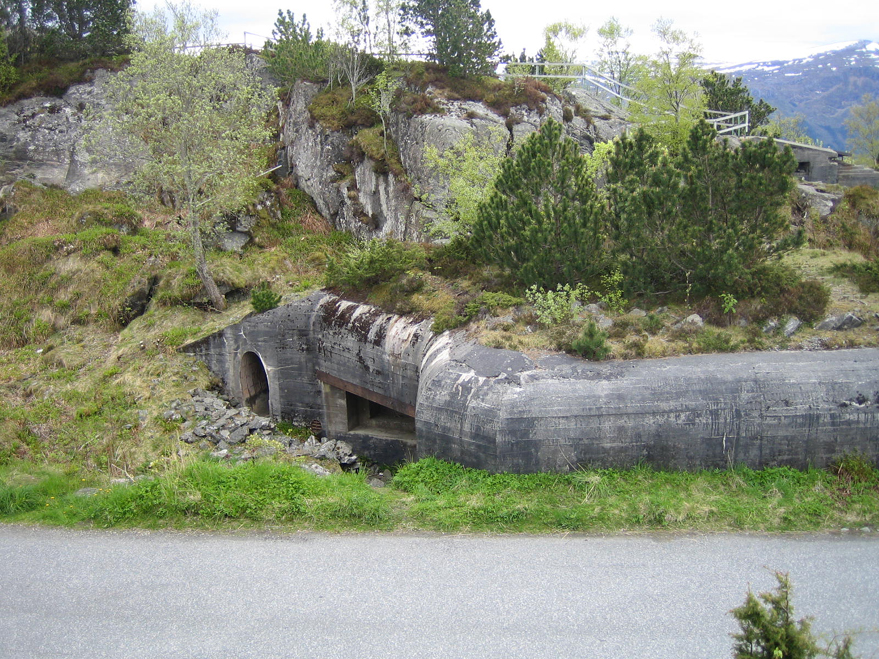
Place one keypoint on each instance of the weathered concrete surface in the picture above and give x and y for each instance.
(326, 358)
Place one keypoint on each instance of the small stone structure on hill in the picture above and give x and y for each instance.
(819, 164)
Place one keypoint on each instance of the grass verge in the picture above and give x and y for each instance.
(439, 496)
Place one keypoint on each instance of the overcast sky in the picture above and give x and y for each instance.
(750, 30)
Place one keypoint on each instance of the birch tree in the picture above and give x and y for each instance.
(863, 129)
(195, 116)
(672, 97)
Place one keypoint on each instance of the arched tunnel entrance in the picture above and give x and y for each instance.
(254, 383)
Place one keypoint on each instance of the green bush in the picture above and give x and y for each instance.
(263, 298)
(769, 631)
(711, 340)
(865, 274)
(592, 343)
(700, 221)
(377, 261)
(496, 301)
(294, 53)
(807, 300)
(652, 323)
(8, 73)
(542, 222)
(554, 307)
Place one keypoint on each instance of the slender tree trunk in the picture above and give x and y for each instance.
(201, 264)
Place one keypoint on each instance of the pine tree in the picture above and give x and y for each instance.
(542, 222)
(463, 37)
(703, 219)
(727, 94)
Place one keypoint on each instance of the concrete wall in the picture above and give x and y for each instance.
(365, 374)
(853, 175)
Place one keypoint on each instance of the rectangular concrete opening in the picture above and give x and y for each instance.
(375, 419)
(382, 427)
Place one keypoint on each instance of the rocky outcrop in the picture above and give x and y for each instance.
(41, 139)
(822, 203)
(357, 196)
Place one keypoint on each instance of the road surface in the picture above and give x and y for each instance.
(163, 594)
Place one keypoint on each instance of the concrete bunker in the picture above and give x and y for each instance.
(395, 390)
(254, 383)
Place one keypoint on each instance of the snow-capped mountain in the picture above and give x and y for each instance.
(821, 86)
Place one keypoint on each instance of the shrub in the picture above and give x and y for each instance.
(652, 323)
(701, 220)
(855, 469)
(807, 300)
(542, 221)
(769, 630)
(294, 54)
(365, 265)
(865, 275)
(711, 340)
(554, 307)
(495, 301)
(262, 298)
(613, 293)
(592, 343)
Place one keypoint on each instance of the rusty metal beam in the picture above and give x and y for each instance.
(357, 390)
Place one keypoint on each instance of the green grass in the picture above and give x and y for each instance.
(84, 383)
(439, 496)
(53, 78)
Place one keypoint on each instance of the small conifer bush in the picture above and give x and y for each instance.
(769, 630)
(263, 298)
(592, 343)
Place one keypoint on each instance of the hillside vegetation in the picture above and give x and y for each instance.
(100, 289)
(98, 294)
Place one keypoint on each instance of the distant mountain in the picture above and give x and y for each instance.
(820, 86)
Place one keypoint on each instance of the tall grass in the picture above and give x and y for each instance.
(440, 496)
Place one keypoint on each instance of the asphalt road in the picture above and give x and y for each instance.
(157, 594)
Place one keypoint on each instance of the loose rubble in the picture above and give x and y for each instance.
(229, 432)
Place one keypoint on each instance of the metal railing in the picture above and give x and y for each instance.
(725, 123)
(729, 123)
(580, 72)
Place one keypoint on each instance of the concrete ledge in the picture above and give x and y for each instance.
(501, 411)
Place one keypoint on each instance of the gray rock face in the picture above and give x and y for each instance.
(841, 322)
(791, 326)
(822, 203)
(42, 139)
(770, 326)
(371, 204)
(392, 389)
